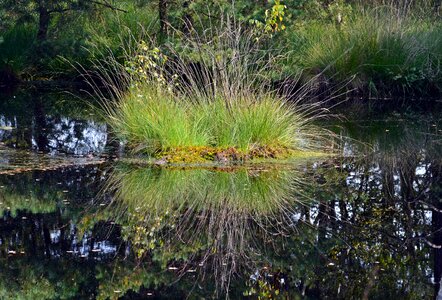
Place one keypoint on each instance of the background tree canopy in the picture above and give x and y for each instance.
(35, 34)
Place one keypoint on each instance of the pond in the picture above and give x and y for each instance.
(79, 222)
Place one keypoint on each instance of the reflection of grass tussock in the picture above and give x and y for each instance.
(194, 217)
(160, 190)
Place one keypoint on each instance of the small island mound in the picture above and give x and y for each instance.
(221, 109)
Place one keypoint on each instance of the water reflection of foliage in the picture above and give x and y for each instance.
(27, 194)
(365, 229)
(353, 232)
(24, 279)
(200, 219)
(392, 136)
(374, 227)
(12, 203)
(42, 191)
(373, 218)
(383, 228)
(25, 284)
(34, 205)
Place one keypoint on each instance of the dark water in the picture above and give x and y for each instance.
(77, 225)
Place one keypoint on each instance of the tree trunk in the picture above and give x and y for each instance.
(43, 22)
(187, 19)
(435, 194)
(162, 15)
(437, 5)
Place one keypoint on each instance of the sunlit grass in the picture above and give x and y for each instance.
(378, 49)
(152, 120)
(212, 93)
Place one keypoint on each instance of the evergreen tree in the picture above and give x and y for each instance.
(41, 11)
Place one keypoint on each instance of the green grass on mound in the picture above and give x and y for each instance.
(209, 99)
(379, 50)
(153, 121)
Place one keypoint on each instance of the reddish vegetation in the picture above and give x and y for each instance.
(219, 154)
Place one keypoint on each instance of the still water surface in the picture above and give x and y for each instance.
(79, 223)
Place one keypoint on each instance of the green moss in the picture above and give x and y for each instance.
(225, 154)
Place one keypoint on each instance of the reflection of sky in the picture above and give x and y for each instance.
(92, 139)
(72, 136)
(5, 123)
(81, 248)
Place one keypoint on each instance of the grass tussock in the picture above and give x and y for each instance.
(208, 100)
(382, 50)
(152, 121)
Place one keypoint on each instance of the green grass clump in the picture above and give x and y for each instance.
(380, 50)
(153, 120)
(210, 95)
(248, 123)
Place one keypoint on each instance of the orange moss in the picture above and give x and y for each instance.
(201, 154)
(270, 152)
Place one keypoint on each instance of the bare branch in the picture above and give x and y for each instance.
(108, 5)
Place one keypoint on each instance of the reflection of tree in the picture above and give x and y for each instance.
(48, 122)
(40, 253)
(35, 204)
(38, 278)
(352, 232)
(436, 200)
(364, 230)
(40, 124)
(24, 283)
(374, 225)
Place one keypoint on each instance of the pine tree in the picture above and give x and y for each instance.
(41, 11)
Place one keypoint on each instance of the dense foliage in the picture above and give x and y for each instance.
(381, 47)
